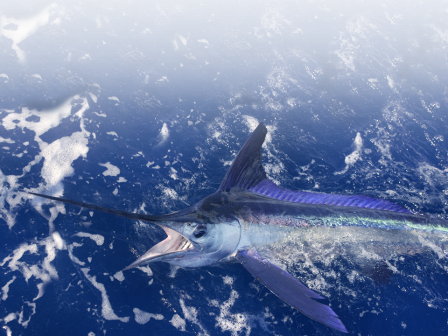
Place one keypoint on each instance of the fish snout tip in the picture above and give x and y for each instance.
(131, 266)
(127, 268)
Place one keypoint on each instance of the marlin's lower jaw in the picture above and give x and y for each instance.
(174, 247)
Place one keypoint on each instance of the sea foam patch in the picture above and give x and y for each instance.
(190, 314)
(238, 322)
(98, 239)
(42, 270)
(178, 322)
(58, 156)
(119, 276)
(5, 288)
(163, 135)
(142, 317)
(354, 156)
(25, 28)
(111, 169)
(106, 308)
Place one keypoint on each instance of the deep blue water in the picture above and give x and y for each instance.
(142, 107)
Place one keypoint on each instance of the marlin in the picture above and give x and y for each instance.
(252, 220)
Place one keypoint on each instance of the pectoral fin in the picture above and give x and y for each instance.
(289, 289)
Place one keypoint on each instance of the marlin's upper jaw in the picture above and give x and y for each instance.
(175, 246)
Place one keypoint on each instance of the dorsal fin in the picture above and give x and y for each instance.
(246, 172)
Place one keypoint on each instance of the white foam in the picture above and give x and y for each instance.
(251, 122)
(25, 28)
(94, 98)
(346, 53)
(178, 322)
(5, 288)
(8, 330)
(43, 271)
(50, 249)
(48, 119)
(114, 98)
(6, 140)
(171, 193)
(142, 317)
(21, 320)
(432, 175)
(146, 269)
(121, 180)
(279, 80)
(183, 40)
(59, 156)
(98, 22)
(72, 256)
(227, 280)
(164, 131)
(111, 169)
(59, 242)
(119, 276)
(10, 317)
(173, 173)
(17, 254)
(106, 309)
(175, 45)
(272, 23)
(163, 135)
(203, 41)
(190, 314)
(112, 133)
(173, 270)
(37, 76)
(437, 250)
(98, 239)
(391, 83)
(353, 157)
(4, 76)
(237, 322)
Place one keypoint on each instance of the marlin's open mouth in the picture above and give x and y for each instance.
(175, 243)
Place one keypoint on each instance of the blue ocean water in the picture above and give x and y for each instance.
(143, 106)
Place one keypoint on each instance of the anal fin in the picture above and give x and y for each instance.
(289, 289)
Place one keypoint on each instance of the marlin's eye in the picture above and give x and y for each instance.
(200, 231)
